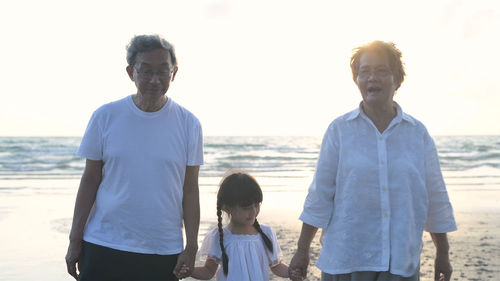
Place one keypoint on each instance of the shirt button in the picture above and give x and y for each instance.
(384, 188)
(382, 162)
(381, 138)
(386, 215)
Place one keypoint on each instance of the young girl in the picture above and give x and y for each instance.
(246, 249)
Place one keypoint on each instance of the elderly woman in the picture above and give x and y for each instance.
(141, 175)
(377, 185)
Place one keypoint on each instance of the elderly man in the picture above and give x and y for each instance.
(140, 181)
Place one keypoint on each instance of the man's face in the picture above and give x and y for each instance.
(152, 73)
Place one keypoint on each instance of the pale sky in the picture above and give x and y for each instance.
(249, 67)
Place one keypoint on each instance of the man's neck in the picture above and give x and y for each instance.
(149, 105)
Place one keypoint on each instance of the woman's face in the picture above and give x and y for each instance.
(375, 80)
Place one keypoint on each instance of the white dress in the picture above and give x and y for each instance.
(249, 258)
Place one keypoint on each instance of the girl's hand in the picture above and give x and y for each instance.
(183, 271)
(185, 263)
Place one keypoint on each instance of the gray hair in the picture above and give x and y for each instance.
(145, 43)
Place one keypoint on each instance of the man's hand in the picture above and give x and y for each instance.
(442, 268)
(85, 198)
(297, 270)
(73, 257)
(185, 262)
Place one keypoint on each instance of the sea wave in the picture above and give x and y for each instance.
(25, 157)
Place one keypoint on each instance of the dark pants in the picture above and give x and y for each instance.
(103, 263)
(369, 276)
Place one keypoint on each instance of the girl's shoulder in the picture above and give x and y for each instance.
(210, 246)
(266, 227)
(213, 232)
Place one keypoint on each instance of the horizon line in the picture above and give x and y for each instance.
(243, 135)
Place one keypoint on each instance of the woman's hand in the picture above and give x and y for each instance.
(442, 268)
(442, 265)
(73, 257)
(297, 270)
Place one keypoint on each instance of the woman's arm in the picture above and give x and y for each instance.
(440, 219)
(205, 272)
(442, 265)
(91, 179)
(300, 261)
(280, 270)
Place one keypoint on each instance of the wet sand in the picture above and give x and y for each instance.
(34, 229)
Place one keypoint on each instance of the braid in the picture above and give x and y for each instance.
(225, 259)
(266, 239)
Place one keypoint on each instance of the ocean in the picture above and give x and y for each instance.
(48, 164)
(39, 177)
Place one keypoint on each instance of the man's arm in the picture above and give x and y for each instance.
(442, 265)
(298, 265)
(91, 179)
(191, 216)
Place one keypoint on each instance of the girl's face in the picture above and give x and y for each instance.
(244, 216)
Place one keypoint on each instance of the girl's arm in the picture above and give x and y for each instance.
(205, 272)
(280, 270)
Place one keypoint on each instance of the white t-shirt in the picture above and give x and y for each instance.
(138, 207)
(249, 258)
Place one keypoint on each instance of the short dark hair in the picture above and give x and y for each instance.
(145, 43)
(387, 49)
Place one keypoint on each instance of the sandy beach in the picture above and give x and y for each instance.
(474, 248)
(35, 225)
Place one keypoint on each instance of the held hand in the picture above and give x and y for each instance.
(185, 263)
(73, 257)
(297, 270)
(442, 268)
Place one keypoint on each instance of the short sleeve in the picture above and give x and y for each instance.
(91, 145)
(195, 144)
(210, 247)
(275, 256)
(440, 217)
(318, 206)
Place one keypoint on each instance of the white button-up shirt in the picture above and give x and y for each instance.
(374, 193)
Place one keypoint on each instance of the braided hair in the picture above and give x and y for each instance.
(238, 189)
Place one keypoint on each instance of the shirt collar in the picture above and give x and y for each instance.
(353, 114)
(400, 115)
